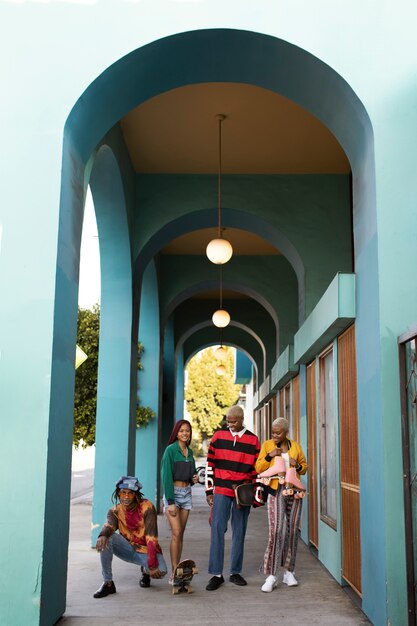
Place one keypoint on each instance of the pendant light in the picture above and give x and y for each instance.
(221, 317)
(221, 353)
(219, 250)
(220, 370)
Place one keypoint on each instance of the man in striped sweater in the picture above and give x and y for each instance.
(230, 461)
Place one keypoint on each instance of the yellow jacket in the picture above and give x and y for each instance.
(294, 450)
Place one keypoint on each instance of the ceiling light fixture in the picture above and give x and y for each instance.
(221, 317)
(219, 250)
(220, 370)
(220, 353)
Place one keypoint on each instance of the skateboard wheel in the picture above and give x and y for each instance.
(195, 571)
(180, 572)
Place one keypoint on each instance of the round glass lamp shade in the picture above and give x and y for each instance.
(219, 251)
(221, 318)
(220, 353)
(220, 370)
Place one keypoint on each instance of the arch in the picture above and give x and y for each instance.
(148, 382)
(210, 285)
(223, 55)
(204, 218)
(218, 55)
(113, 426)
(208, 335)
(226, 343)
(208, 324)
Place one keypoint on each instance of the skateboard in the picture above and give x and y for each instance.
(183, 576)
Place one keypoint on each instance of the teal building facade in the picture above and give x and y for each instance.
(319, 199)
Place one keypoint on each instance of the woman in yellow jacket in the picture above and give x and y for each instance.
(283, 510)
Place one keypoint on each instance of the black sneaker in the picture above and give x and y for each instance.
(105, 590)
(214, 583)
(145, 580)
(237, 579)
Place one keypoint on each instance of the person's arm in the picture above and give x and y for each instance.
(210, 469)
(151, 538)
(263, 461)
(301, 466)
(167, 465)
(110, 527)
(195, 477)
(256, 456)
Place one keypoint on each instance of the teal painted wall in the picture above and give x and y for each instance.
(113, 425)
(243, 368)
(168, 390)
(146, 465)
(385, 83)
(179, 386)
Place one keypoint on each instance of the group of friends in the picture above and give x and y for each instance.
(234, 457)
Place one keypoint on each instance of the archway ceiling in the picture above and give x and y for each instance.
(264, 133)
(243, 242)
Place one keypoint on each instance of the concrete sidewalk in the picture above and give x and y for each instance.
(317, 600)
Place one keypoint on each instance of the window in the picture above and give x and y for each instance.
(327, 440)
(288, 405)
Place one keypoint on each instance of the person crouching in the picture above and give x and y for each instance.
(136, 540)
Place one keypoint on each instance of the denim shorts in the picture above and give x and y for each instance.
(183, 498)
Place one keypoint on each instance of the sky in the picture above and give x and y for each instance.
(89, 288)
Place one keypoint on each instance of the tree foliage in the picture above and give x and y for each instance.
(85, 396)
(207, 394)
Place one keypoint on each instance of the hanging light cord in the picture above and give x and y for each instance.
(220, 117)
(221, 287)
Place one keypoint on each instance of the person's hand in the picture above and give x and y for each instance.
(275, 452)
(172, 510)
(156, 573)
(195, 478)
(210, 499)
(292, 461)
(101, 543)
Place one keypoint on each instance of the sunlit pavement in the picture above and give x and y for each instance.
(317, 600)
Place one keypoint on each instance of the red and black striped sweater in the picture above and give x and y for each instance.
(230, 461)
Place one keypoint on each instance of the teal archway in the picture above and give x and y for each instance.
(114, 427)
(216, 56)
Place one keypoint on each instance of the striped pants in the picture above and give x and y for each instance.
(283, 518)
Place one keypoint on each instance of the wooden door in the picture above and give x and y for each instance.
(349, 461)
(313, 512)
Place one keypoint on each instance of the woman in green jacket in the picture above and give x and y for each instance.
(178, 474)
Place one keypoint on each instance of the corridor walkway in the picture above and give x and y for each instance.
(317, 600)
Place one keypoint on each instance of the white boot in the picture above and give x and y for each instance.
(289, 579)
(269, 584)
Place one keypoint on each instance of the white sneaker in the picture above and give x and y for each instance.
(269, 584)
(289, 579)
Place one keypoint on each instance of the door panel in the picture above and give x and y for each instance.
(349, 461)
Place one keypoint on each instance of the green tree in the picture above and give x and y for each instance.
(207, 394)
(85, 396)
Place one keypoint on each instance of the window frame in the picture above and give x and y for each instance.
(325, 516)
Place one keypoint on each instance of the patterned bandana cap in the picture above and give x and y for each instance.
(129, 482)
